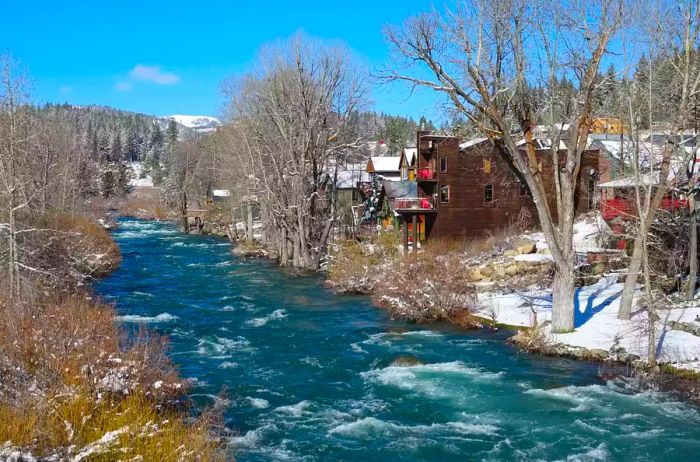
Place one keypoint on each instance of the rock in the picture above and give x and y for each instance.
(475, 275)
(525, 246)
(487, 271)
(511, 270)
(406, 361)
(510, 253)
(500, 271)
(599, 354)
(522, 267)
(598, 268)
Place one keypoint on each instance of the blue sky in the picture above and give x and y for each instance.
(171, 57)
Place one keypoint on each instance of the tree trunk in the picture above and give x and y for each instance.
(625, 311)
(249, 227)
(183, 213)
(563, 292)
(692, 251)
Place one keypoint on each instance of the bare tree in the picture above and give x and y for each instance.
(290, 128)
(673, 33)
(486, 57)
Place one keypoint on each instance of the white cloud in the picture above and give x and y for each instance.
(153, 74)
(124, 86)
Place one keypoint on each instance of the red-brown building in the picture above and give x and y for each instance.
(469, 190)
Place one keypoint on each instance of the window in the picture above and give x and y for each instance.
(488, 193)
(443, 165)
(487, 165)
(445, 193)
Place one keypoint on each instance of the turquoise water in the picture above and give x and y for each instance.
(307, 373)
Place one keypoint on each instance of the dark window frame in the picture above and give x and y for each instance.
(446, 187)
(488, 193)
(443, 164)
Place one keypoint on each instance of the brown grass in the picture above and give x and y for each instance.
(57, 360)
(427, 288)
(355, 267)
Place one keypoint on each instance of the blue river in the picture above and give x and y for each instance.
(304, 374)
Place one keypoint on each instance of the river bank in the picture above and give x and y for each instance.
(73, 384)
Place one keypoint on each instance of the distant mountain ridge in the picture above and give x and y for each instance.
(197, 123)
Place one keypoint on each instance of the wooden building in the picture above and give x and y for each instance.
(469, 190)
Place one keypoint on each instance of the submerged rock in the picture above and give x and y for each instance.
(406, 361)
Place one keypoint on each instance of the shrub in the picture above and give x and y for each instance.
(355, 267)
(69, 376)
(428, 287)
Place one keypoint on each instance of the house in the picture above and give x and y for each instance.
(407, 163)
(468, 189)
(385, 166)
(218, 193)
(618, 194)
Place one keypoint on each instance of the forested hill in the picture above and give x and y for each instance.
(113, 135)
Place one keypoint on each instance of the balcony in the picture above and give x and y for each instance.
(627, 208)
(405, 204)
(426, 174)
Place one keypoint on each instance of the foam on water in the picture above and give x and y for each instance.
(295, 410)
(258, 403)
(259, 322)
(163, 317)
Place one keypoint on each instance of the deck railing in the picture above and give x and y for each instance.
(414, 203)
(426, 173)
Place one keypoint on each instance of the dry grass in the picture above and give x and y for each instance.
(356, 266)
(146, 203)
(69, 375)
(68, 425)
(66, 248)
(428, 287)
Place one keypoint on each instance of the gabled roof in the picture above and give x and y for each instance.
(409, 154)
(473, 142)
(384, 164)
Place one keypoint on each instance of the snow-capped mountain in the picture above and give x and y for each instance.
(200, 124)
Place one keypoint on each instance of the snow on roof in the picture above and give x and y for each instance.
(385, 163)
(410, 154)
(472, 142)
(349, 176)
(542, 143)
(221, 193)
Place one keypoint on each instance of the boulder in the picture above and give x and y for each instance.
(599, 354)
(475, 275)
(598, 268)
(525, 246)
(522, 267)
(406, 361)
(512, 269)
(487, 271)
(500, 270)
(510, 253)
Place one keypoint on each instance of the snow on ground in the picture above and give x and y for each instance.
(596, 323)
(138, 179)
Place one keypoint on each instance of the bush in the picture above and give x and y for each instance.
(69, 376)
(355, 267)
(427, 288)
